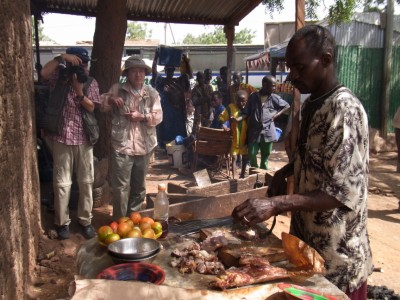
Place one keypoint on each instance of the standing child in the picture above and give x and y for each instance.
(218, 108)
(238, 125)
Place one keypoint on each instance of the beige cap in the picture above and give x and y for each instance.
(135, 62)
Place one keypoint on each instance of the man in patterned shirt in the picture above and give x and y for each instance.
(329, 207)
(71, 146)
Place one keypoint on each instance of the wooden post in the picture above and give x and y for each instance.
(230, 36)
(387, 68)
(300, 14)
(299, 23)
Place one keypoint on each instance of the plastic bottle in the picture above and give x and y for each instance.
(161, 209)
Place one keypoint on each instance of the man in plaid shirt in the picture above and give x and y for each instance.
(71, 147)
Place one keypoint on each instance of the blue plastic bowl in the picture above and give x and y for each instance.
(278, 133)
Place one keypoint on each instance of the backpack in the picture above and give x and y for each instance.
(89, 123)
(50, 116)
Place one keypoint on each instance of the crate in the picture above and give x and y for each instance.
(169, 56)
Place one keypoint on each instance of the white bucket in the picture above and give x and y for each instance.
(177, 155)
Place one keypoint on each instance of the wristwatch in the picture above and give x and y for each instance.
(79, 98)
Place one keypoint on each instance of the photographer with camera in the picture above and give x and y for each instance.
(71, 92)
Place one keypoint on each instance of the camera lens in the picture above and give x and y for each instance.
(80, 74)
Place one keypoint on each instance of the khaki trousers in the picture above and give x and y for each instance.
(66, 159)
(128, 182)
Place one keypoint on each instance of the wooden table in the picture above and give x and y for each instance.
(93, 258)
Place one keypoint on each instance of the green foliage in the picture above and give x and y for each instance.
(342, 11)
(42, 36)
(244, 36)
(277, 5)
(273, 5)
(311, 8)
(339, 12)
(137, 31)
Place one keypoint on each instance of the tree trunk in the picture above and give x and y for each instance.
(108, 46)
(19, 188)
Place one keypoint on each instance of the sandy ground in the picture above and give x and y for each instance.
(56, 271)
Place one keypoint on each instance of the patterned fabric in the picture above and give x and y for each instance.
(243, 86)
(134, 271)
(239, 129)
(72, 132)
(335, 160)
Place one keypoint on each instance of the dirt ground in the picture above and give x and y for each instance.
(56, 261)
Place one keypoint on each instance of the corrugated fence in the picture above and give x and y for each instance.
(360, 69)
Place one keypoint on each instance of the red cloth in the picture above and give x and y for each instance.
(358, 294)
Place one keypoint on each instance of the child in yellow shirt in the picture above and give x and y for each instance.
(238, 125)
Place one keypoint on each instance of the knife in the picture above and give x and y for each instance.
(194, 226)
(303, 292)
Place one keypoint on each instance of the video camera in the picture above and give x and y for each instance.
(67, 70)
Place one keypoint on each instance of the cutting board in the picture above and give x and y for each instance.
(269, 247)
(230, 254)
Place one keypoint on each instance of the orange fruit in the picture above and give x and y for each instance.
(149, 233)
(122, 220)
(144, 225)
(157, 227)
(135, 217)
(103, 232)
(147, 219)
(114, 226)
(123, 229)
(130, 222)
(134, 234)
(113, 237)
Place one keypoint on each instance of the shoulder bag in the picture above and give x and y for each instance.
(90, 125)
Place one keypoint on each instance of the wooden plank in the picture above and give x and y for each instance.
(212, 207)
(176, 188)
(226, 187)
(265, 176)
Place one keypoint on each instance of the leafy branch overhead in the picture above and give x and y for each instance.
(137, 31)
(340, 11)
(244, 36)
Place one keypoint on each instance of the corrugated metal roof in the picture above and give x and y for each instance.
(227, 12)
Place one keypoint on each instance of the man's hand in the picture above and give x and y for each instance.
(233, 120)
(254, 211)
(134, 116)
(73, 59)
(77, 86)
(116, 101)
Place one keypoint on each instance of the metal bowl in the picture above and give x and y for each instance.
(148, 259)
(134, 248)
